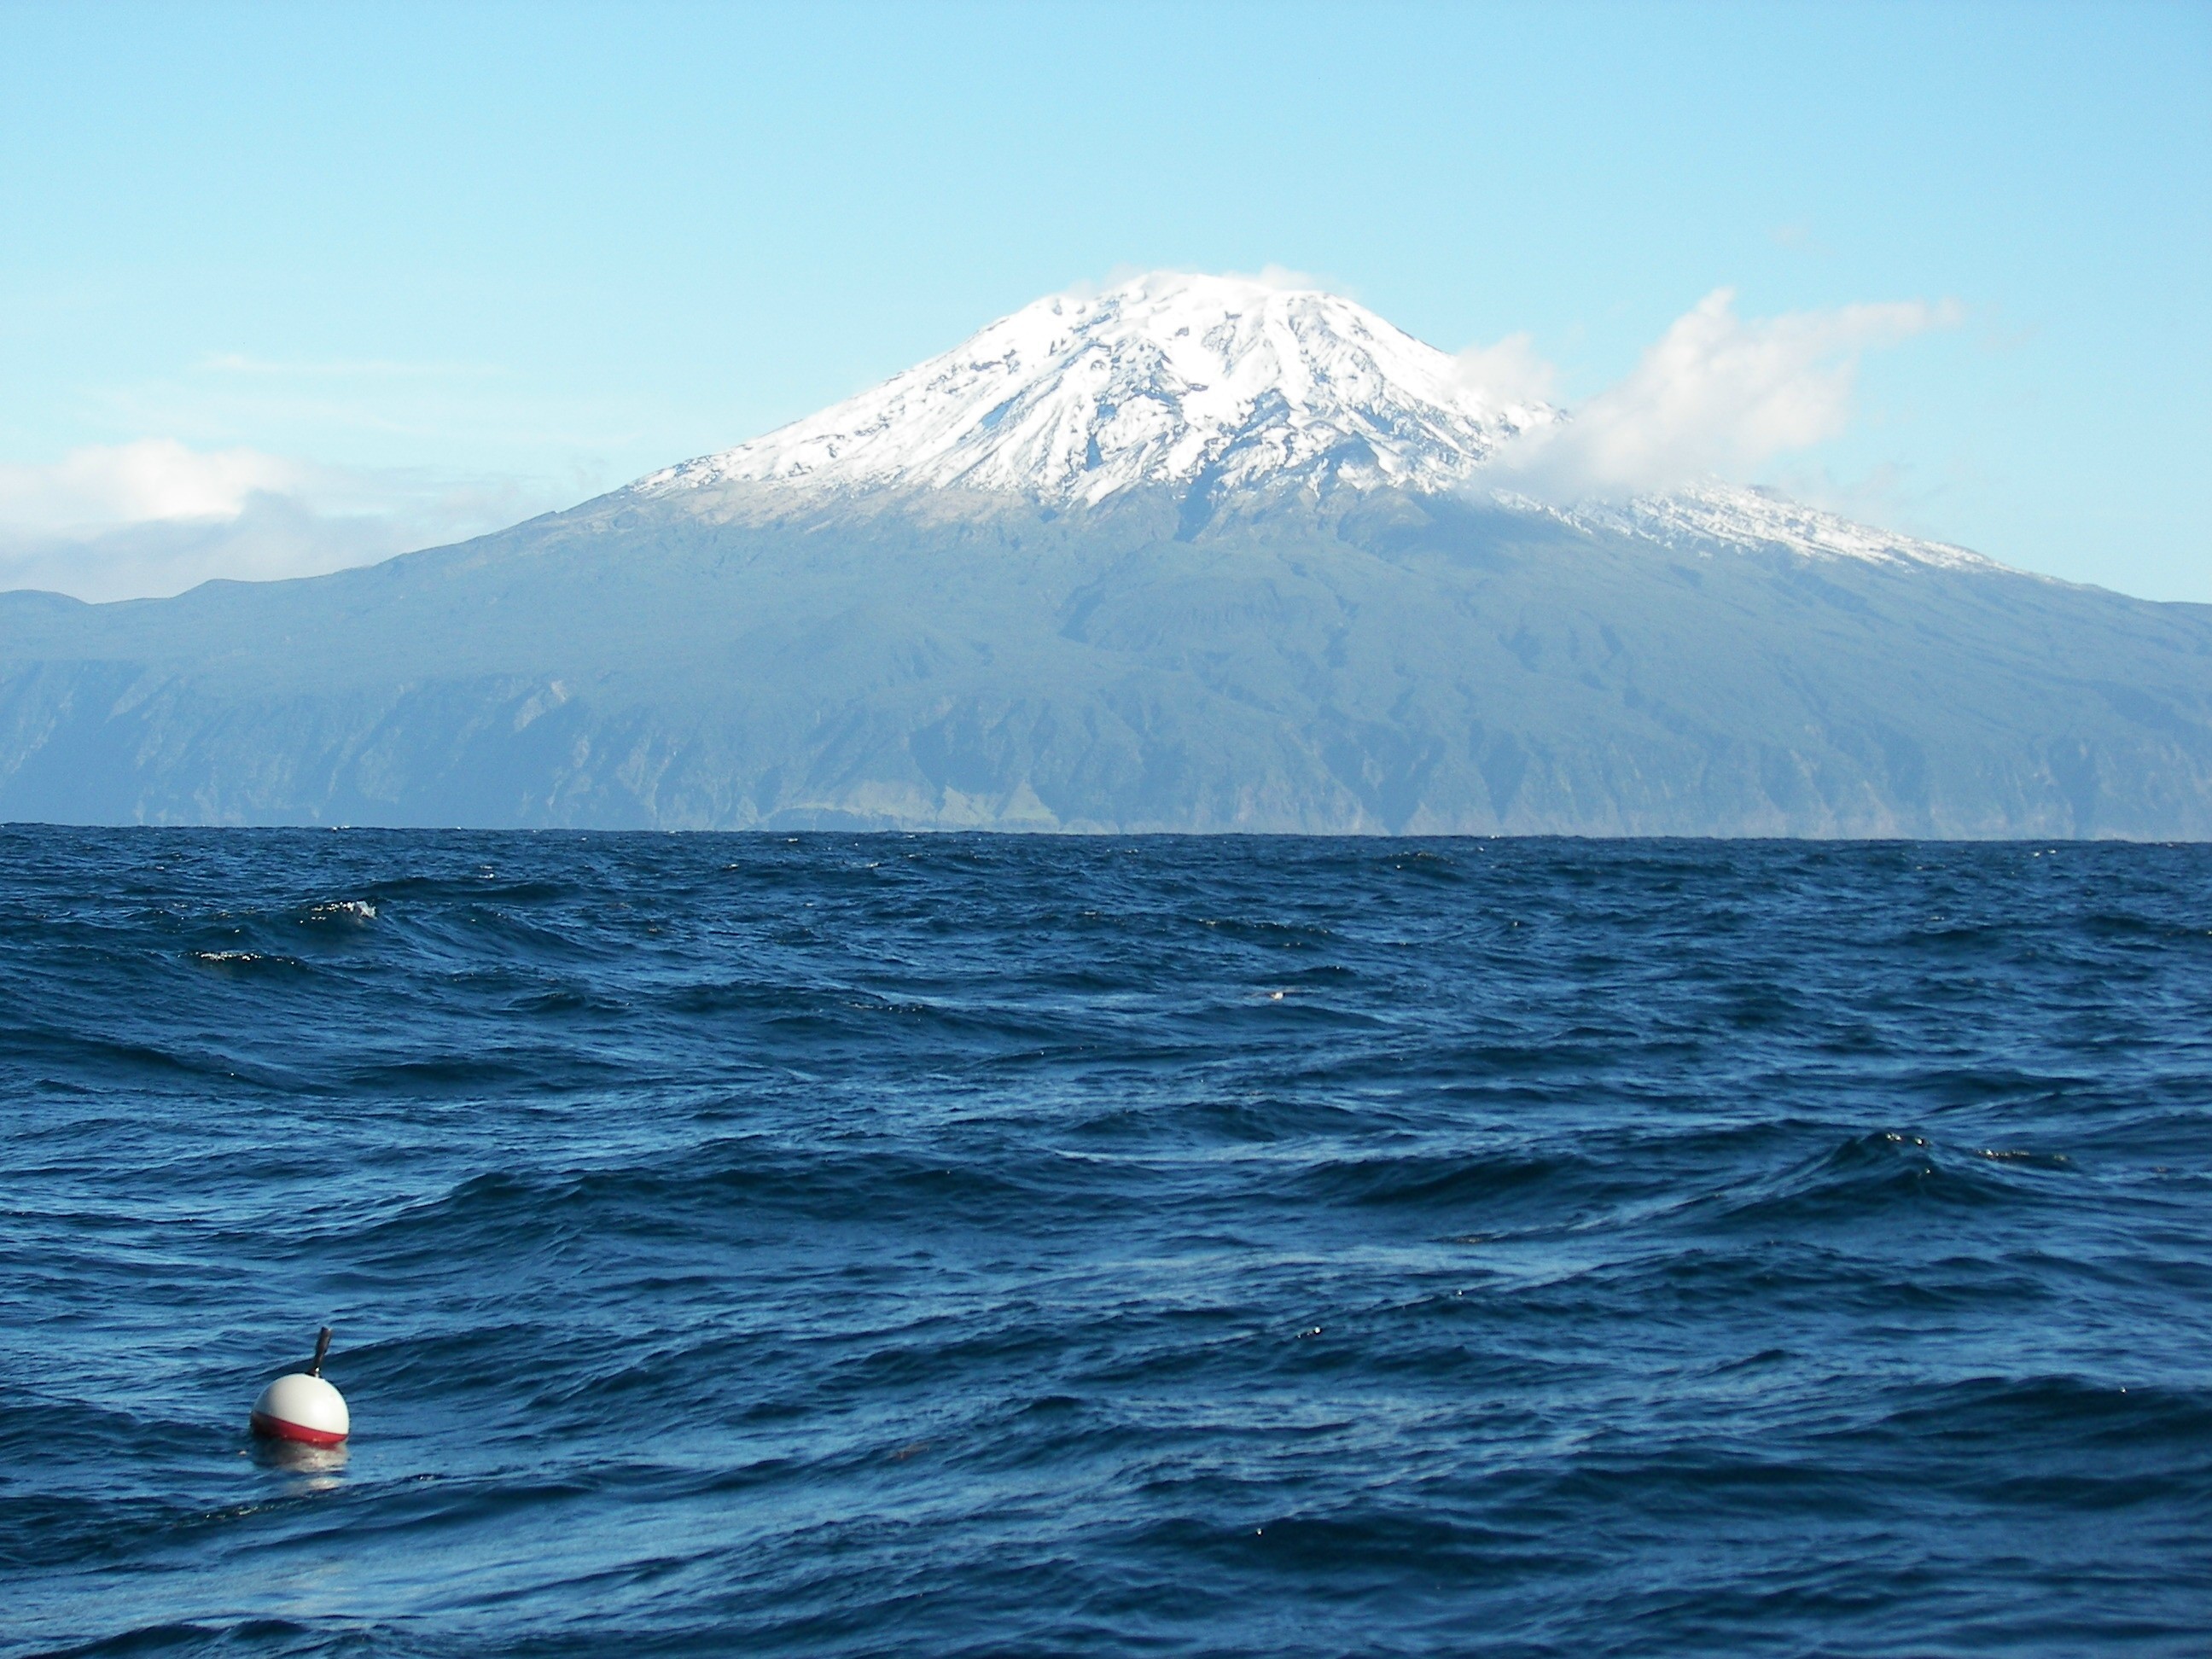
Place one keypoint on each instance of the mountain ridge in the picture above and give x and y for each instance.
(1312, 613)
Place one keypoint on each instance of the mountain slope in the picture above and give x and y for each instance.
(1092, 571)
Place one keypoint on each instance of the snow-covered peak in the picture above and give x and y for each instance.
(1170, 379)
(1222, 384)
(1699, 515)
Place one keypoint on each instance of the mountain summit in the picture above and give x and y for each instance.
(1210, 388)
(1195, 553)
(1168, 379)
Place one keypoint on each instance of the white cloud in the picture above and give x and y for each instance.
(1285, 279)
(156, 478)
(355, 370)
(156, 517)
(1294, 281)
(1717, 395)
(1508, 373)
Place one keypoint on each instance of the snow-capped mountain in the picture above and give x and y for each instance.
(1226, 384)
(1193, 554)
(1170, 379)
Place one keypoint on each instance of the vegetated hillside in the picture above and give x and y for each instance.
(1387, 663)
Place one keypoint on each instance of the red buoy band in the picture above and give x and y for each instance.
(277, 1429)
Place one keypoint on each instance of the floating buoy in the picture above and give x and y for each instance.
(300, 1405)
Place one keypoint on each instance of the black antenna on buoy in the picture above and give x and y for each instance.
(322, 1347)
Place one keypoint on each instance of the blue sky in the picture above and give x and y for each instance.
(303, 285)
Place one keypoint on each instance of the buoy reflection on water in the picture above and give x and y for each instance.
(324, 1463)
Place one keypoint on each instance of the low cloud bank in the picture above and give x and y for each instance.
(153, 518)
(1717, 395)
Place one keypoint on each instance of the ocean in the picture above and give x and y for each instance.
(844, 1244)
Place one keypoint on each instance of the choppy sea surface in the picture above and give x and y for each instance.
(963, 1245)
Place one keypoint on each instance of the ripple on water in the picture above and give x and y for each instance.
(844, 1244)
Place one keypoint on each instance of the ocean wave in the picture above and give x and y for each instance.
(851, 1245)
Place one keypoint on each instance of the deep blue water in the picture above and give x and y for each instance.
(851, 1244)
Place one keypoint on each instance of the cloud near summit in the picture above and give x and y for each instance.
(1717, 395)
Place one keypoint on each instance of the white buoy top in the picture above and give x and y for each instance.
(301, 1406)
